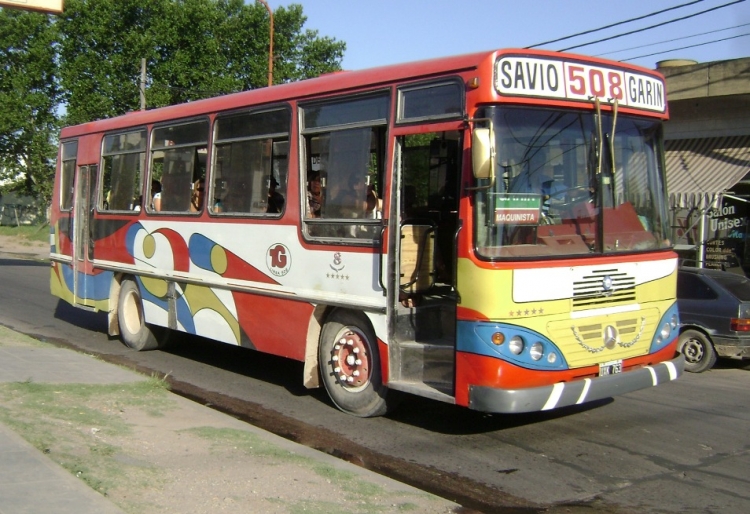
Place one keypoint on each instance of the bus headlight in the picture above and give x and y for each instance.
(673, 321)
(664, 332)
(515, 345)
(536, 351)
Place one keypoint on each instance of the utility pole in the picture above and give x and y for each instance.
(270, 45)
(143, 84)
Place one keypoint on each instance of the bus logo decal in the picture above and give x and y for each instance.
(278, 259)
(337, 265)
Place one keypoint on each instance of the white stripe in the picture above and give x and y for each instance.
(557, 390)
(586, 386)
(654, 380)
(672, 370)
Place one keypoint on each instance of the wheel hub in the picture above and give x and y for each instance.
(351, 363)
(693, 351)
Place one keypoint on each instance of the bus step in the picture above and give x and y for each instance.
(425, 323)
(426, 363)
(440, 392)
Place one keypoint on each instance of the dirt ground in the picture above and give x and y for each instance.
(13, 245)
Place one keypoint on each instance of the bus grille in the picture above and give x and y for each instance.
(602, 288)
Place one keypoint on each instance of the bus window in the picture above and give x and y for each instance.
(124, 157)
(250, 174)
(67, 174)
(178, 163)
(345, 167)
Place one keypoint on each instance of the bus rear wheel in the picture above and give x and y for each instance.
(350, 365)
(134, 331)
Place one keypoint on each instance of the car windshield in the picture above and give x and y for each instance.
(571, 182)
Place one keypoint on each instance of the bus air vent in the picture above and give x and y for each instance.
(602, 288)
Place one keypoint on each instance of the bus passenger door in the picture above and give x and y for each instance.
(83, 245)
(427, 174)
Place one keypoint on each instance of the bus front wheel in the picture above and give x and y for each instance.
(134, 331)
(350, 365)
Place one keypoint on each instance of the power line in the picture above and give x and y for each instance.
(684, 47)
(671, 40)
(615, 24)
(652, 26)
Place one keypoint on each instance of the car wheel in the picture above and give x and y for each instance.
(698, 351)
(350, 365)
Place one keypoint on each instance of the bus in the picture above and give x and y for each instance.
(488, 230)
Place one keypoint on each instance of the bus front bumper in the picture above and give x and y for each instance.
(563, 394)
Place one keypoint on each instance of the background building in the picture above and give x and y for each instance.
(707, 143)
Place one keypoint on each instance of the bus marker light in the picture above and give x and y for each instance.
(498, 338)
(673, 321)
(552, 358)
(473, 83)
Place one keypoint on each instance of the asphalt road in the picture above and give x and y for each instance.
(682, 447)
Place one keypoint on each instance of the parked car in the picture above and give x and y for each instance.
(714, 310)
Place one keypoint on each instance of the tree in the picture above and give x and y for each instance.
(194, 49)
(28, 102)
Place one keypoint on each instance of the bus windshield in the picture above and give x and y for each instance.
(571, 182)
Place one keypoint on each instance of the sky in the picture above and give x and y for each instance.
(381, 32)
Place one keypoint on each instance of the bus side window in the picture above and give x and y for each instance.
(250, 168)
(178, 160)
(124, 159)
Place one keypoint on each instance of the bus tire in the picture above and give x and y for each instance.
(350, 365)
(698, 351)
(134, 331)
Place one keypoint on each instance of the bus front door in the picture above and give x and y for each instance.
(423, 351)
(83, 243)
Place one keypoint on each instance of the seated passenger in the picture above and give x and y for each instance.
(196, 199)
(314, 196)
(155, 195)
(275, 199)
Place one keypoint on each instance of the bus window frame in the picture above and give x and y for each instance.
(63, 160)
(401, 120)
(146, 186)
(275, 137)
(305, 167)
(100, 173)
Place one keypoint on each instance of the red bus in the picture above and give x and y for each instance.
(488, 230)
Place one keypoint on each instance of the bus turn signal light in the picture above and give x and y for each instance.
(498, 338)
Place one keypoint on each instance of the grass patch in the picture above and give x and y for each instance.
(367, 496)
(80, 426)
(27, 232)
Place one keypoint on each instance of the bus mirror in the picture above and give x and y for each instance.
(483, 153)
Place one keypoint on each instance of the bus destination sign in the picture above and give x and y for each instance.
(550, 78)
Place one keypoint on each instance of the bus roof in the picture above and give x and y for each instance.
(335, 82)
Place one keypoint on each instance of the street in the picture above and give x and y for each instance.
(681, 447)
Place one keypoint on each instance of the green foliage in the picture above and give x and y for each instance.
(193, 49)
(28, 102)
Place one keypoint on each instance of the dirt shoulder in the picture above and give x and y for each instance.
(19, 246)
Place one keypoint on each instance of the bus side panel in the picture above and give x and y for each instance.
(210, 280)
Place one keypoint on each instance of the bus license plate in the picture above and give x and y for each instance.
(610, 368)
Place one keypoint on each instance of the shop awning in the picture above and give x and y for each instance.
(700, 170)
